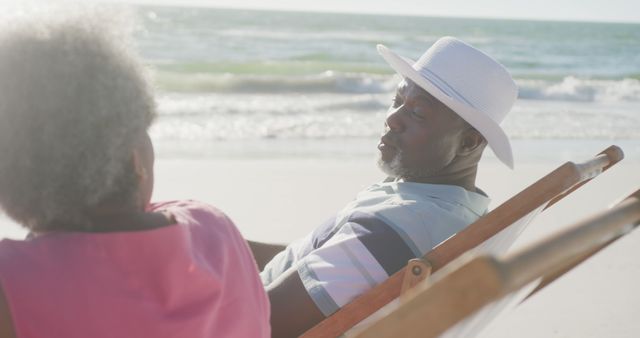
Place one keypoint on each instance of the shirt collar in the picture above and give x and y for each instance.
(475, 202)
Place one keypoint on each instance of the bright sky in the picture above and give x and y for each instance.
(578, 10)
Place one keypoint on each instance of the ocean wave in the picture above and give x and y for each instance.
(326, 82)
(303, 64)
(211, 117)
(572, 88)
(313, 77)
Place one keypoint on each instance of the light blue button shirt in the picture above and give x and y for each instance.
(374, 236)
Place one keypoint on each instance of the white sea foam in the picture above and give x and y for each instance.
(572, 88)
(325, 82)
(290, 116)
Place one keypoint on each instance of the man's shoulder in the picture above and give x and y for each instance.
(442, 198)
(389, 203)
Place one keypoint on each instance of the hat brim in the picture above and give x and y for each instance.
(492, 132)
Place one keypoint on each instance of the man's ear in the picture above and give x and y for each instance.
(471, 142)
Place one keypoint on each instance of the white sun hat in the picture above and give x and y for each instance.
(471, 83)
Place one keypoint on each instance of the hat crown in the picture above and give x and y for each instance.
(469, 76)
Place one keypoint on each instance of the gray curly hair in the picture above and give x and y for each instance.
(73, 102)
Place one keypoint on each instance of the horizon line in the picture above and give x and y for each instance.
(143, 3)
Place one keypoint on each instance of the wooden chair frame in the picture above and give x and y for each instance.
(545, 192)
(470, 283)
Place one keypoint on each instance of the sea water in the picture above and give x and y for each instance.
(239, 83)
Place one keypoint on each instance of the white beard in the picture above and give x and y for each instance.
(394, 167)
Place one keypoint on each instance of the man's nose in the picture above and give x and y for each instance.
(394, 119)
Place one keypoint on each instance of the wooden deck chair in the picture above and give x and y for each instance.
(550, 277)
(495, 231)
(472, 284)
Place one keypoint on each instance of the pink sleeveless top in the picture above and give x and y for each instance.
(194, 279)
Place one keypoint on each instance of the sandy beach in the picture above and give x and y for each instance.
(283, 200)
(279, 200)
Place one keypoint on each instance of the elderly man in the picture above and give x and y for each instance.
(446, 110)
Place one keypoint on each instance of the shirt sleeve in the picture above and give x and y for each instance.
(363, 253)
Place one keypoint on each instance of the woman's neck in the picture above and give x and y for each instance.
(112, 221)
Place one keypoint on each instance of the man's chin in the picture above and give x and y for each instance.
(392, 168)
(396, 169)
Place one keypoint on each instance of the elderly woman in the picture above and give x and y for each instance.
(76, 169)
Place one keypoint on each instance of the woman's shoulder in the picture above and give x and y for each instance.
(190, 205)
(198, 216)
(190, 210)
